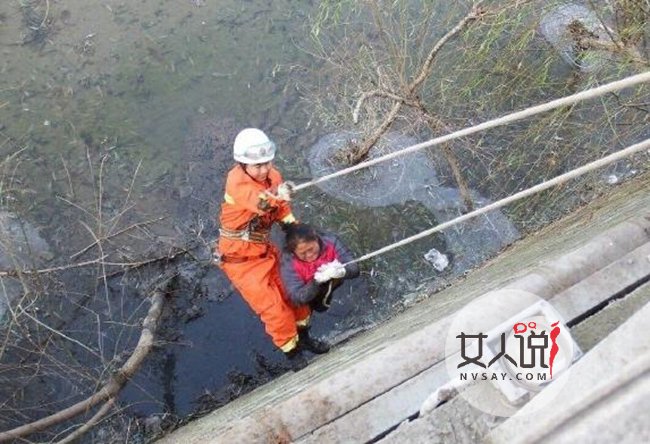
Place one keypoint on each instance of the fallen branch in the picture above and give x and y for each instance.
(15, 273)
(424, 72)
(377, 93)
(116, 382)
(117, 233)
(411, 99)
(475, 13)
(90, 424)
(126, 266)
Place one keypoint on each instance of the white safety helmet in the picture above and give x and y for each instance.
(253, 146)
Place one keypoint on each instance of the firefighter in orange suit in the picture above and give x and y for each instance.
(255, 197)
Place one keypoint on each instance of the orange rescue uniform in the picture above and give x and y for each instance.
(251, 261)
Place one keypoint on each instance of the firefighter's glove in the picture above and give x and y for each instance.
(286, 190)
(268, 202)
(329, 271)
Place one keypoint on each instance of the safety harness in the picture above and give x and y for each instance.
(247, 235)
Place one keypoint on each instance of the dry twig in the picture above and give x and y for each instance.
(90, 424)
(410, 89)
(122, 231)
(411, 99)
(15, 273)
(115, 383)
(126, 266)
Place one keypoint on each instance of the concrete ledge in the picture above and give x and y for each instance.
(598, 287)
(591, 331)
(394, 406)
(559, 274)
(370, 419)
(606, 370)
(604, 401)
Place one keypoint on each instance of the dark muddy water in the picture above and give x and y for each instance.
(125, 113)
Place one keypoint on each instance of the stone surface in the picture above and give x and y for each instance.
(600, 286)
(592, 330)
(21, 247)
(605, 398)
(454, 422)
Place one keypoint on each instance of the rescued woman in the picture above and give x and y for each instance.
(313, 266)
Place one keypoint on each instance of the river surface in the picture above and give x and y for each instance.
(116, 120)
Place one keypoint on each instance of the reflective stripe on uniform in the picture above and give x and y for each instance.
(303, 322)
(290, 345)
(229, 199)
(289, 219)
(260, 237)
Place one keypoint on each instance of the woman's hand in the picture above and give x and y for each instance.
(329, 271)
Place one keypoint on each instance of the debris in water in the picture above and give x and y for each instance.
(569, 28)
(612, 179)
(437, 259)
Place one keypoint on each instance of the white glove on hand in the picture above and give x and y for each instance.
(285, 190)
(329, 271)
(321, 277)
(337, 269)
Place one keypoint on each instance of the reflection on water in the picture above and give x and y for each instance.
(413, 178)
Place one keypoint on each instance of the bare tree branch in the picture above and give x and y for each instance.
(115, 383)
(125, 265)
(424, 72)
(90, 424)
(378, 93)
(131, 265)
(475, 13)
(122, 231)
(15, 273)
(58, 333)
(126, 199)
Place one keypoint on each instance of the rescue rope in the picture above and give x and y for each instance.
(519, 115)
(509, 118)
(514, 197)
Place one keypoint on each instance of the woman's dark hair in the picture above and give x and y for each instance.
(296, 233)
